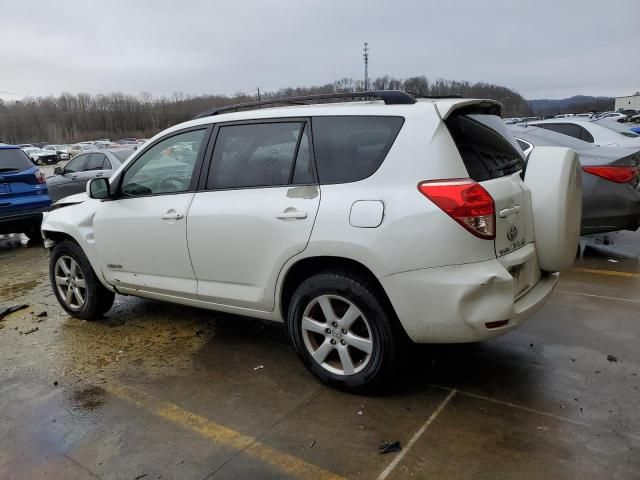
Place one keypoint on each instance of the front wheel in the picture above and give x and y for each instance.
(342, 332)
(75, 284)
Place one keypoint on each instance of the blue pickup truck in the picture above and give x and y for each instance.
(23, 194)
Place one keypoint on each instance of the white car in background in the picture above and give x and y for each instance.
(602, 132)
(614, 116)
(359, 225)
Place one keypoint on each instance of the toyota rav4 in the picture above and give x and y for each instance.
(359, 224)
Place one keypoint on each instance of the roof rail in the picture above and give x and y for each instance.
(389, 97)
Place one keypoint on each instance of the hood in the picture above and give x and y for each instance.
(71, 200)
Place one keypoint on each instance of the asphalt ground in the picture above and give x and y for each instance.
(160, 391)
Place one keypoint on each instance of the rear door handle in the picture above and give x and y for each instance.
(171, 215)
(507, 212)
(291, 214)
(74, 177)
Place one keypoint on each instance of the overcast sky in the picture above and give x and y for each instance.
(541, 48)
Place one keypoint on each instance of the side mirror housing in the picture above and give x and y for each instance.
(57, 171)
(98, 188)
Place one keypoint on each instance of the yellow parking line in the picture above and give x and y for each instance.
(284, 462)
(612, 273)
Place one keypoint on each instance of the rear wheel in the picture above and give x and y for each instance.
(342, 332)
(75, 284)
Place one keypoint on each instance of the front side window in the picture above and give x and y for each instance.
(352, 148)
(76, 165)
(164, 168)
(254, 155)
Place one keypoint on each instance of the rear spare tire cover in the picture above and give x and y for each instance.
(553, 175)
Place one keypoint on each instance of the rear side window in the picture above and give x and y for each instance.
(96, 161)
(122, 155)
(352, 148)
(565, 128)
(255, 155)
(13, 160)
(487, 148)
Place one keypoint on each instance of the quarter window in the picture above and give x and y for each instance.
(255, 155)
(167, 167)
(352, 148)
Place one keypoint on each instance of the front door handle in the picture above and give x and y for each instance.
(507, 212)
(291, 214)
(172, 215)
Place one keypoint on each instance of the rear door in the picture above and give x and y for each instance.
(255, 210)
(494, 159)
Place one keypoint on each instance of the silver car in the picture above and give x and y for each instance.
(73, 177)
(610, 179)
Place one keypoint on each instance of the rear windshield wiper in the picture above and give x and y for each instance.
(9, 169)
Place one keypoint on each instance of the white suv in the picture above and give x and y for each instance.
(360, 225)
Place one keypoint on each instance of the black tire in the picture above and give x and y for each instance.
(33, 233)
(385, 334)
(98, 300)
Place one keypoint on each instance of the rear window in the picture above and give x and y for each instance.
(122, 155)
(349, 149)
(487, 148)
(13, 160)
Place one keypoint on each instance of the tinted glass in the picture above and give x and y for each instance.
(167, 167)
(303, 172)
(254, 155)
(96, 161)
(76, 165)
(487, 148)
(565, 128)
(585, 135)
(123, 154)
(14, 160)
(348, 149)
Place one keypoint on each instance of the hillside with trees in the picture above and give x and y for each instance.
(72, 118)
(576, 104)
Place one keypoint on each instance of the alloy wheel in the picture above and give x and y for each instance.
(337, 335)
(70, 282)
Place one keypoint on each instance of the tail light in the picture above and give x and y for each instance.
(466, 201)
(40, 177)
(614, 174)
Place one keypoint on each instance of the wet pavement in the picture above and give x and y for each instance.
(159, 391)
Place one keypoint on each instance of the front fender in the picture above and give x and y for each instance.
(75, 221)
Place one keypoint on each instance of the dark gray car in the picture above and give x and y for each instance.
(73, 177)
(610, 182)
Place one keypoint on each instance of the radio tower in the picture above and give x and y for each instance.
(365, 55)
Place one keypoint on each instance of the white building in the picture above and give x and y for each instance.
(628, 103)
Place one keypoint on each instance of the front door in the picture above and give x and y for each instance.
(256, 212)
(141, 235)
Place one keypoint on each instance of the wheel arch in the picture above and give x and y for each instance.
(306, 267)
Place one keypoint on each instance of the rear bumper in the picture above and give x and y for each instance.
(453, 304)
(16, 219)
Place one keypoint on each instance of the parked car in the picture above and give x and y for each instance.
(23, 194)
(614, 116)
(40, 156)
(61, 150)
(610, 179)
(601, 132)
(385, 221)
(73, 177)
(78, 148)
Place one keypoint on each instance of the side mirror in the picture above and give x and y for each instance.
(57, 171)
(98, 188)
